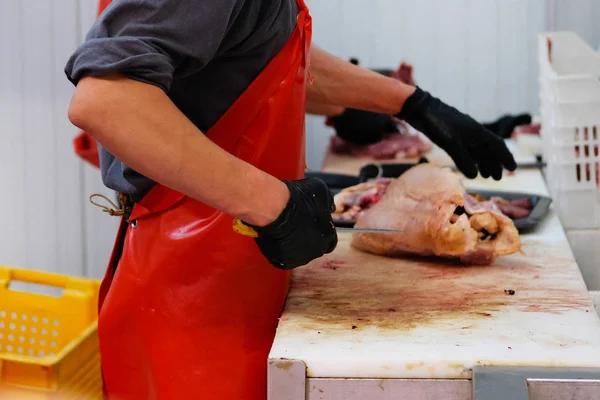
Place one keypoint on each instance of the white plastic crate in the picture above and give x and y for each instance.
(572, 145)
(584, 243)
(570, 114)
(575, 176)
(577, 209)
(569, 68)
(570, 111)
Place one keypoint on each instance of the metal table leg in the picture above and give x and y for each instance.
(517, 383)
(286, 380)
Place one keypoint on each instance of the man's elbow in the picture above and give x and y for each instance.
(93, 99)
(82, 106)
(78, 112)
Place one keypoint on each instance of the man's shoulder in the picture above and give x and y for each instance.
(259, 23)
(280, 11)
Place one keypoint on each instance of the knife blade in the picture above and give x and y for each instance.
(366, 230)
(245, 230)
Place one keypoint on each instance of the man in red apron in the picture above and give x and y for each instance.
(199, 109)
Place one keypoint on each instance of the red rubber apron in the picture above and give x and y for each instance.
(192, 308)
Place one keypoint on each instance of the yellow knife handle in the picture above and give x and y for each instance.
(243, 229)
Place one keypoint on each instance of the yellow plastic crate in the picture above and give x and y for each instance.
(48, 343)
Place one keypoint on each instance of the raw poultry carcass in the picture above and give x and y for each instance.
(437, 218)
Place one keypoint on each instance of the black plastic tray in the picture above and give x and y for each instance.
(368, 172)
(541, 206)
(334, 181)
(372, 171)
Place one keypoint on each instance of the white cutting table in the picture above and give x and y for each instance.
(595, 296)
(358, 326)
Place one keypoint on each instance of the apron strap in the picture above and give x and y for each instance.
(245, 109)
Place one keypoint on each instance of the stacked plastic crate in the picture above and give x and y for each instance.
(570, 111)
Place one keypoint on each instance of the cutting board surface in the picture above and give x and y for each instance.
(595, 297)
(351, 165)
(352, 314)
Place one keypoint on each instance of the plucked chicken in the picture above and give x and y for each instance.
(438, 218)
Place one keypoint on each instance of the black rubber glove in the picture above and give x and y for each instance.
(304, 231)
(505, 125)
(471, 146)
(362, 127)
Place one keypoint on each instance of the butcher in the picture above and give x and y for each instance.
(198, 107)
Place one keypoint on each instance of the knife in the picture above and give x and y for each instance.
(366, 230)
(243, 229)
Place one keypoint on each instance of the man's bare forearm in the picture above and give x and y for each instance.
(140, 125)
(323, 109)
(338, 82)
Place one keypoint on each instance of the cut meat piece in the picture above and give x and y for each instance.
(395, 145)
(515, 209)
(404, 73)
(529, 129)
(351, 202)
(438, 218)
(525, 202)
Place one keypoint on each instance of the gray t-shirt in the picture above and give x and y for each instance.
(202, 53)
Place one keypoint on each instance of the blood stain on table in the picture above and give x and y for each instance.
(332, 264)
(393, 295)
